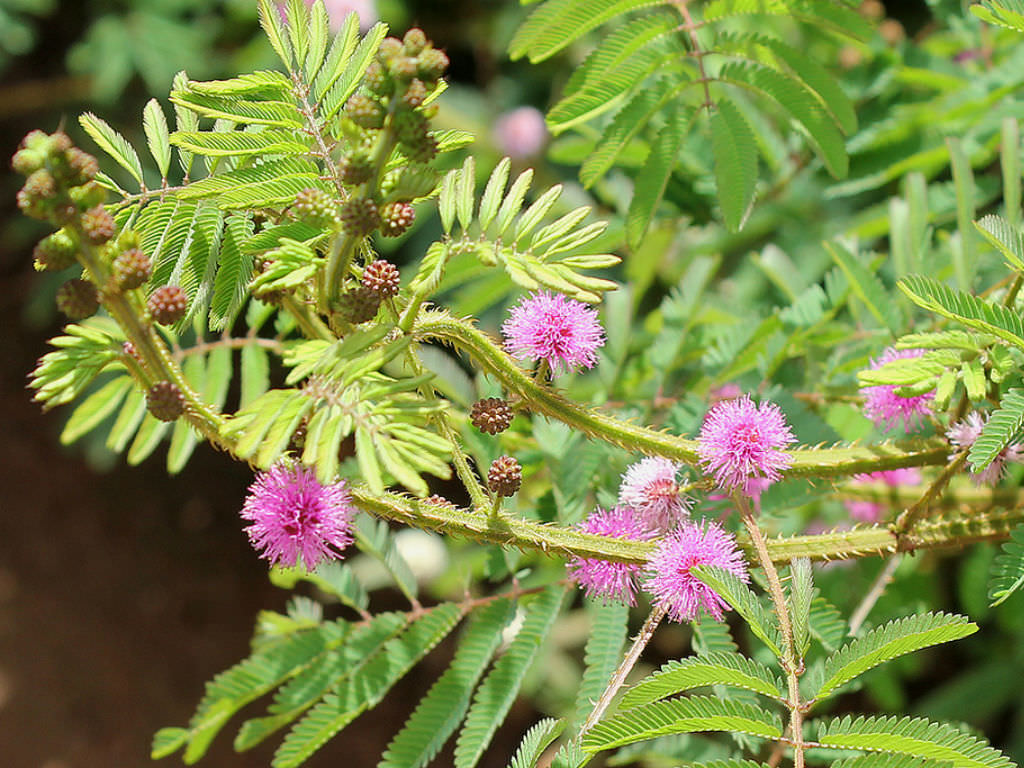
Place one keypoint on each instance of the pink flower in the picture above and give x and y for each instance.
(740, 442)
(337, 10)
(963, 435)
(649, 487)
(884, 406)
(870, 511)
(521, 133)
(601, 578)
(548, 326)
(293, 515)
(675, 588)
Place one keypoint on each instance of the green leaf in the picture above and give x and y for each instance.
(1007, 574)
(970, 310)
(650, 183)
(1002, 426)
(912, 736)
(735, 151)
(494, 697)
(896, 638)
(113, 143)
(439, 712)
(608, 627)
(827, 624)
(698, 671)
(95, 408)
(881, 760)
(375, 538)
(367, 687)
(744, 602)
(801, 592)
(270, 20)
(693, 714)
(167, 741)
(867, 286)
(536, 740)
(1003, 237)
(355, 68)
(493, 192)
(154, 123)
(464, 192)
(512, 203)
(239, 143)
(558, 23)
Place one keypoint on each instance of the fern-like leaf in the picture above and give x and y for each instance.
(653, 177)
(699, 671)
(912, 736)
(495, 695)
(1002, 426)
(535, 742)
(689, 715)
(896, 638)
(367, 687)
(745, 603)
(827, 624)
(608, 626)
(1008, 568)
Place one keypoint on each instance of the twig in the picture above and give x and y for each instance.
(698, 52)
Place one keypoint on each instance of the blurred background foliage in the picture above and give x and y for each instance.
(932, 87)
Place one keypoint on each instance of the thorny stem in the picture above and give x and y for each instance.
(906, 520)
(791, 662)
(877, 590)
(630, 660)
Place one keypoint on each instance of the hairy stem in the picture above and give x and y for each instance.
(619, 677)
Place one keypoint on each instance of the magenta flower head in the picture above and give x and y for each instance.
(884, 406)
(963, 435)
(675, 588)
(294, 516)
(649, 487)
(740, 441)
(548, 326)
(600, 578)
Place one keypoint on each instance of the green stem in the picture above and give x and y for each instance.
(806, 461)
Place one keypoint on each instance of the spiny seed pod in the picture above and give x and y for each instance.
(132, 268)
(165, 401)
(432, 64)
(505, 476)
(382, 278)
(358, 305)
(396, 218)
(403, 68)
(37, 140)
(167, 304)
(353, 170)
(359, 216)
(491, 415)
(59, 142)
(414, 41)
(389, 48)
(415, 93)
(78, 299)
(82, 167)
(377, 80)
(98, 225)
(55, 252)
(365, 112)
(315, 207)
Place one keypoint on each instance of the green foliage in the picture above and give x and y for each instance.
(889, 641)
(745, 603)
(1005, 13)
(912, 736)
(1002, 426)
(1008, 568)
(535, 742)
(608, 628)
(715, 668)
(689, 715)
(86, 350)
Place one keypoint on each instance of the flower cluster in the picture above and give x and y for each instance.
(650, 488)
(964, 434)
(741, 444)
(882, 403)
(563, 332)
(674, 586)
(601, 578)
(293, 515)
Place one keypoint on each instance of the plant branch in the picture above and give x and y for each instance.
(883, 580)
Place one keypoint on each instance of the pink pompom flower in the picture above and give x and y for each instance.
(548, 326)
(521, 133)
(675, 588)
(293, 516)
(964, 434)
(649, 487)
(600, 578)
(740, 441)
(885, 407)
(870, 511)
